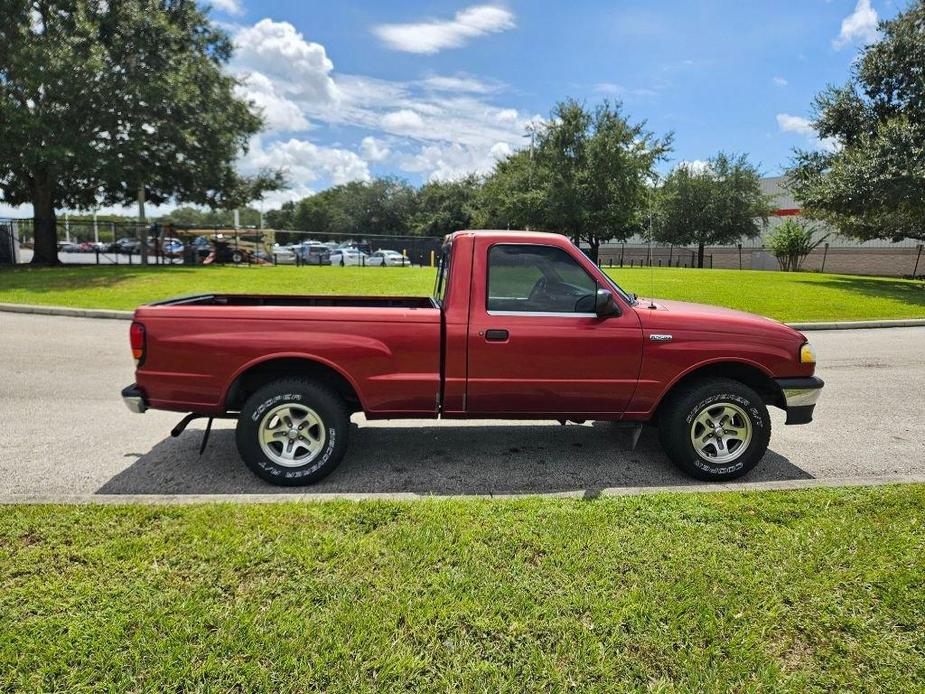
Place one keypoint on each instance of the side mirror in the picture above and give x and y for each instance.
(604, 304)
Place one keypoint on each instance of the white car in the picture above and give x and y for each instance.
(346, 256)
(388, 258)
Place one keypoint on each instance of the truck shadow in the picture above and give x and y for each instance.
(436, 459)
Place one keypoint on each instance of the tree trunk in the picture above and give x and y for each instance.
(595, 249)
(699, 255)
(45, 224)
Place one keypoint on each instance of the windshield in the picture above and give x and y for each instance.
(628, 298)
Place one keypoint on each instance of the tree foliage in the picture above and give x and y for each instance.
(99, 98)
(792, 242)
(586, 176)
(195, 217)
(442, 207)
(719, 203)
(870, 184)
(380, 206)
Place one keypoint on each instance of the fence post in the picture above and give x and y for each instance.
(825, 253)
(915, 271)
(740, 255)
(622, 251)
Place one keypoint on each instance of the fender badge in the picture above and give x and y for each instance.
(660, 338)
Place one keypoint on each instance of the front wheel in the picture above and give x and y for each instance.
(716, 429)
(292, 432)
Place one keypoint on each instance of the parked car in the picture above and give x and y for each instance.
(521, 325)
(126, 244)
(68, 247)
(172, 247)
(316, 254)
(388, 258)
(347, 256)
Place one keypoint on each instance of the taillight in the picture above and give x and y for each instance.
(136, 336)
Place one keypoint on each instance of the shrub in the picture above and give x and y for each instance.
(791, 242)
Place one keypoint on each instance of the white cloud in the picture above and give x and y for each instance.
(795, 124)
(788, 123)
(454, 161)
(300, 68)
(435, 35)
(227, 6)
(459, 83)
(780, 81)
(280, 114)
(297, 87)
(860, 25)
(404, 121)
(372, 149)
(305, 161)
(506, 115)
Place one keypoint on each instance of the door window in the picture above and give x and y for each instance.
(537, 279)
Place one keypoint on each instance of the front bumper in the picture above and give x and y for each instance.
(134, 399)
(800, 396)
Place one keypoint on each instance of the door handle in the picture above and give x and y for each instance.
(496, 335)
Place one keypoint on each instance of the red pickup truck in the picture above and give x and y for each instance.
(522, 325)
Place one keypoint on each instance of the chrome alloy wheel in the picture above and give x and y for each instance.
(292, 435)
(721, 432)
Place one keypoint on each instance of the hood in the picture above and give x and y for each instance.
(682, 315)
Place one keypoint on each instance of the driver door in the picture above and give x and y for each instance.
(535, 345)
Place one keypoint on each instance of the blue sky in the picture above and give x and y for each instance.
(430, 90)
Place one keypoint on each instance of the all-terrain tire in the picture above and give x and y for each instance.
(293, 405)
(727, 404)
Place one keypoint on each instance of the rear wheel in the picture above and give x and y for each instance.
(292, 432)
(715, 429)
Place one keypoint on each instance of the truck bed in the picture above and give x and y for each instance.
(296, 300)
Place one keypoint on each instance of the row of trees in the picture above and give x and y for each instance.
(589, 174)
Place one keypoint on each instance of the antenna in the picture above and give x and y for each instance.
(651, 266)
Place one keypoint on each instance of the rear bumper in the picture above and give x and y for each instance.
(134, 399)
(800, 396)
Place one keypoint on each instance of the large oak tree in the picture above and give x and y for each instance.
(100, 98)
(587, 176)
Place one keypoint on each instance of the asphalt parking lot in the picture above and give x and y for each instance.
(64, 431)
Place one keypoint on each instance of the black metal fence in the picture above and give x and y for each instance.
(115, 243)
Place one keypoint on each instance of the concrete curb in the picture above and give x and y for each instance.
(127, 315)
(284, 497)
(64, 311)
(860, 324)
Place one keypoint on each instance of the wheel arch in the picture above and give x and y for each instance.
(256, 374)
(745, 372)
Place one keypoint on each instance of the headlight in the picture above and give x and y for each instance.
(807, 354)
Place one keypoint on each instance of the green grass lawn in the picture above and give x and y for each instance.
(817, 590)
(785, 296)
